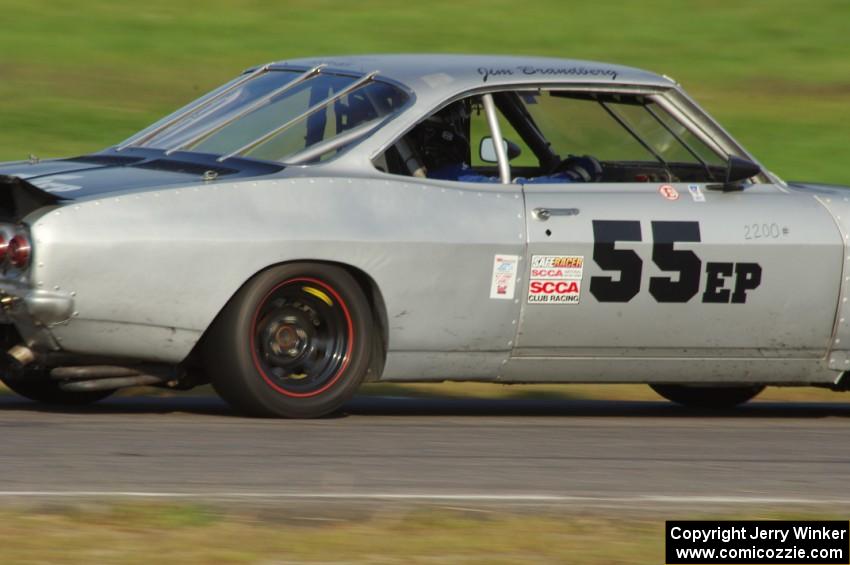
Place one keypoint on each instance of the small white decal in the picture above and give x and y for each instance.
(668, 191)
(696, 193)
(437, 80)
(555, 279)
(50, 184)
(504, 277)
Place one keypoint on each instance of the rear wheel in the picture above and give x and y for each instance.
(293, 342)
(708, 396)
(36, 384)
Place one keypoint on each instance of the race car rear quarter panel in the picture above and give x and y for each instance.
(151, 270)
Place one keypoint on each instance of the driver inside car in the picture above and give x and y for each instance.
(445, 152)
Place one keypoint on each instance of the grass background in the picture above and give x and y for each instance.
(79, 75)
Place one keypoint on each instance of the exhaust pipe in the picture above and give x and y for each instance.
(88, 378)
(87, 372)
(111, 383)
(21, 355)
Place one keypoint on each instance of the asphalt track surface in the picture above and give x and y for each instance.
(591, 453)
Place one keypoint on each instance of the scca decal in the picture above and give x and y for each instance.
(550, 287)
(687, 265)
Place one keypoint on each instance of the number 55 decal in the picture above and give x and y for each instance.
(686, 264)
(605, 234)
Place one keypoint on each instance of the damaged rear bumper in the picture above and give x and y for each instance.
(33, 312)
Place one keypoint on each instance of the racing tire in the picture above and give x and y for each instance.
(37, 385)
(294, 342)
(708, 397)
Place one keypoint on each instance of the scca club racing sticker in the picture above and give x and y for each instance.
(555, 279)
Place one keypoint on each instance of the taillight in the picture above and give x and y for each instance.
(19, 251)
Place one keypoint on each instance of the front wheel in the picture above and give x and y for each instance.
(716, 397)
(293, 342)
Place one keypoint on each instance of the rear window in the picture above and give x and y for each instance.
(279, 114)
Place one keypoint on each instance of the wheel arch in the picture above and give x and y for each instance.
(370, 290)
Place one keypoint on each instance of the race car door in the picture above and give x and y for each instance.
(657, 270)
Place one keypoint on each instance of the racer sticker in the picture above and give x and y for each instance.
(555, 279)
(504, 277)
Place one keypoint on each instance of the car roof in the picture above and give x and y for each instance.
(428, 73)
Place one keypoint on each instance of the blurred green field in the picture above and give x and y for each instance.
(78, 76)
(134, 532)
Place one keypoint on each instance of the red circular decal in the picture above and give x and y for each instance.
(669, 192)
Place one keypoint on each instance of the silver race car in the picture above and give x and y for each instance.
(317, 223)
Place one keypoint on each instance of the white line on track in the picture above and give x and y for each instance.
(469, 497)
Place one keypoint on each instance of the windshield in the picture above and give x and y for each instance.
(277, 115)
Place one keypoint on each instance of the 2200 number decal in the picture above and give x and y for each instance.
(606, 233)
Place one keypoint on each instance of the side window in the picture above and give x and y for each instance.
(555, 137)
(440, 141)
(633, 138)
(447, 146)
